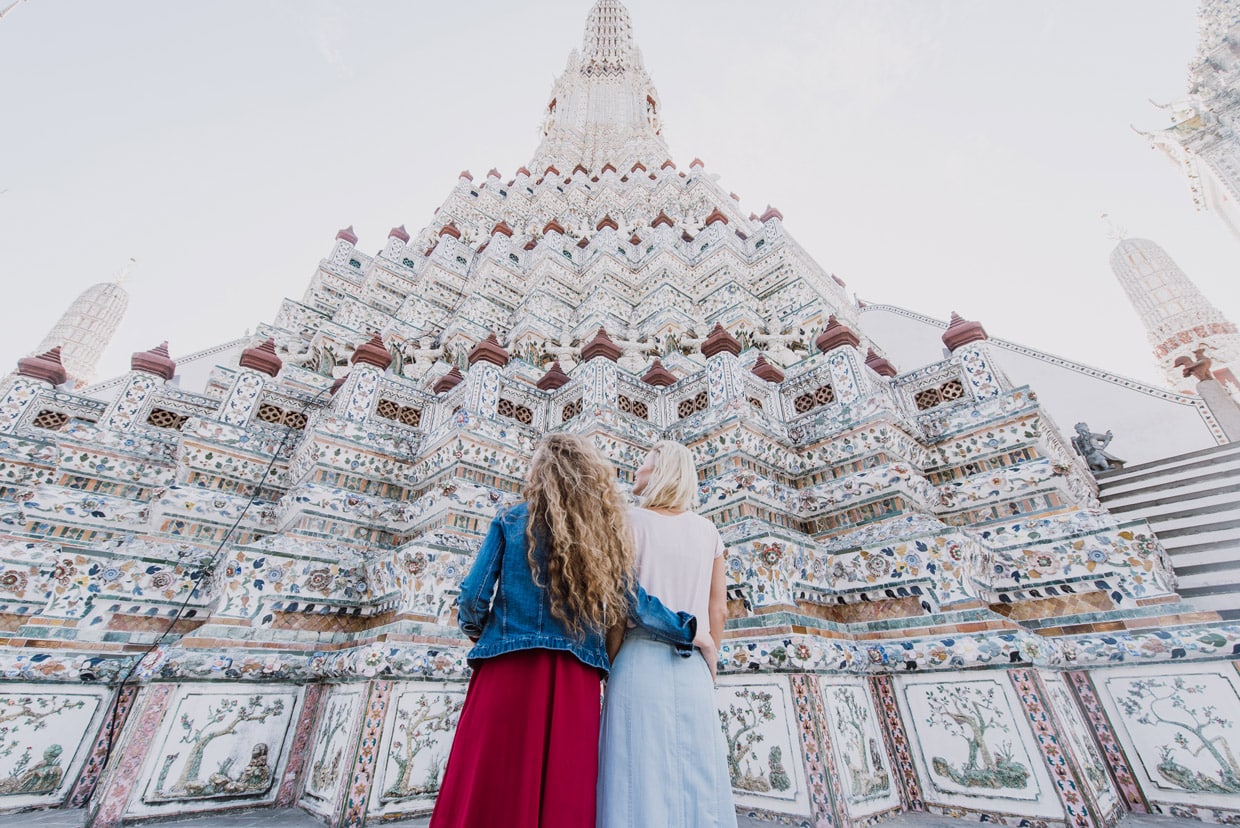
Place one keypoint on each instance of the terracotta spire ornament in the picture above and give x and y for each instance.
(600, 346)
(372, 352)
(45, 367)
(155, 361)
(554, 378)
(961, 331)
(880, 365)
(347, 235)
(262, 358)
(836, 334)
(489, 350)
(449, 381)
(766, 371)
(718, 341)
(658, 376)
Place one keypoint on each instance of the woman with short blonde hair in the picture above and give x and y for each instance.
(662, 758)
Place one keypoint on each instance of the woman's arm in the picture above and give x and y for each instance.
(717, 608)
(479, 585)
(615, 637)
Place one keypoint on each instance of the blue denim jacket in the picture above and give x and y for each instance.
(517, 615)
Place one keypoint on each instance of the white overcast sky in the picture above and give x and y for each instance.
(936, 155)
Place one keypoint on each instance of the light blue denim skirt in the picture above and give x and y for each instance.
(662, 757)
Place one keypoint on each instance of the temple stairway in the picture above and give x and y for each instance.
(1192, 502)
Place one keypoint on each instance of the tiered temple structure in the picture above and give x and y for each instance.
(84, 330)
(1203, 137)
(239, 592)
(1182, 325)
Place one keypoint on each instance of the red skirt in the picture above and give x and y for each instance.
(525, 754)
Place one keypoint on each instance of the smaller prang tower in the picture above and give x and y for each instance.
(1204, 136)
(1178, 319)
(85, 329)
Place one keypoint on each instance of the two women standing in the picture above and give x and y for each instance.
(555, 575)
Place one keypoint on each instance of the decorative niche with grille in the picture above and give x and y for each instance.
(163, 418)
(269, 413)
(635, 407)
(692, 405)
(50, 420)
(570, 410)
(513, 411)
(935, 395)
(820, 396)
(404, 414)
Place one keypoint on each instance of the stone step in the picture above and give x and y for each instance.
(1226, 452)
(1214, 573)
(1201, 554)
(1171, 474)
(1227, 480)
(1194, 521)
(1173, 501)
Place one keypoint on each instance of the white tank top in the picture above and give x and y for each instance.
(675, 558)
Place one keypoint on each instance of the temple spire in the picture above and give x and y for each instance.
(604, 107)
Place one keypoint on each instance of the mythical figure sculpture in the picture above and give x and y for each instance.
(424, 357)
(565, 352)
(1092, 446)
(1197, 368)
(776, 346)
(634, 353)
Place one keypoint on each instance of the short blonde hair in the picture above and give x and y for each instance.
(673, 480)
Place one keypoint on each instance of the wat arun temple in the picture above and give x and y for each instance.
(965, 577)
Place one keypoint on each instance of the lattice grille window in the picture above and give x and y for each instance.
(163, 418)
(50, 420)
(692, 405)
(949, 391)
(570, 410)
(823, 395)
(756, 403)
(269, 413)
(508, 408)
(635, 407)
(404, 414)
(952, 390)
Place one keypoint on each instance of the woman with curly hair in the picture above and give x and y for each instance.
(663, 760)
(553, 575)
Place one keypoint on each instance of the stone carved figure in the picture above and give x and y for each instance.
(633, 353)
(1198, 367)
(777, 346)
(1092, 446)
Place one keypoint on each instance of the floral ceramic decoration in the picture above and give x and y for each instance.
(331, 756)
(972, 745)
(1180, 728)
(417, 738)
(762, 744)
(45, 734)
(860, 754)
(223, 745)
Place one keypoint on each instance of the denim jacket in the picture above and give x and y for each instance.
(517, 615)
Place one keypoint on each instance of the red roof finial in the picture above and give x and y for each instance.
(450, 229)
(766, 371)
(373, 353)
(502, 227)
(835, 335)
(715, 217)
(771, 213)
(489, 350)
(600, 346)
(962, 331)
(448, 381)
(554, 378)
(465, 174)
(662, 218)
(719, 340)
(347, 235)
(155, 361)
(697, 162)
(658, 375)
(880, 365)
(553, 226)
(262, 358)
(607, 221)
(45, 367)
(399, 233)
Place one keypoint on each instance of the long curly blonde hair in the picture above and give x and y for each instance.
(578, 520)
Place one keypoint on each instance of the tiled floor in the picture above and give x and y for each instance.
(295, 818)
